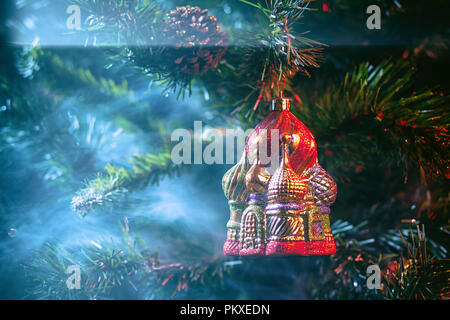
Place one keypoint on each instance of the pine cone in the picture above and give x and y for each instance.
(198, 42)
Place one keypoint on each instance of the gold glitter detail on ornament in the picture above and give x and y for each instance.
(233, 234)
(252, 230)
(233, 182)
(323, 186)
(285, 227)
(256, 179)
(286, 186)
(318, 224)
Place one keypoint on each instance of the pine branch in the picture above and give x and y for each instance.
(287, 52)
(139, 26)
(176, 279)
(279, 50)
(106, 267)
(373, 113)
(116, 182)
(418, 276)
(67, 76)
(421, 275)
(116, 22)
(103, 268)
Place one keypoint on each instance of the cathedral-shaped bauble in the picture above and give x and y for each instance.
(281, 210)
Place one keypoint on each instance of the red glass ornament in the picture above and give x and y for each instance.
(288, 212)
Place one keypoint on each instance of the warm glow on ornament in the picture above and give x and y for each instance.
(284, 210)
(303, 147)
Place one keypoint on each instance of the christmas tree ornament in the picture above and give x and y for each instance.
(197, 40)
(285, 212)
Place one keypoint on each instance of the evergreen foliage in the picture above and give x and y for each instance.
(85, 129)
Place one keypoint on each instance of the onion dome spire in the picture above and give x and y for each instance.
(286, 186)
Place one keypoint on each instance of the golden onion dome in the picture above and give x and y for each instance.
(285, 185)
(322, 185)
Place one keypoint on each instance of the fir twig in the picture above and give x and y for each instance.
(146, 169)
(376, 102)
